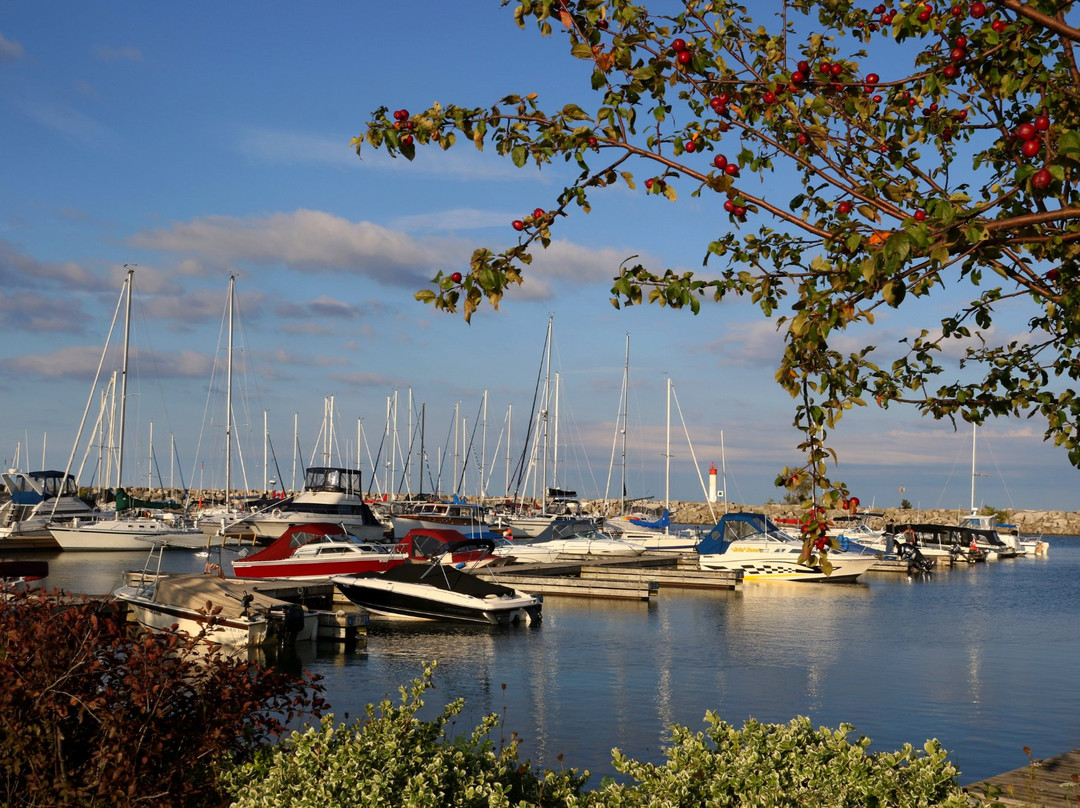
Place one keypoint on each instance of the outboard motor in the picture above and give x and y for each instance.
(288, 620)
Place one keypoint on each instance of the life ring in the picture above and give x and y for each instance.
(276, 513)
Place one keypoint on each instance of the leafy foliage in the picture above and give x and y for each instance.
(91, 715)
(955, 169)
(394, 759)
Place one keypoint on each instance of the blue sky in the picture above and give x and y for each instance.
(199, 142)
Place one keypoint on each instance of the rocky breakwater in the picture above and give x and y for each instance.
(1051, 523)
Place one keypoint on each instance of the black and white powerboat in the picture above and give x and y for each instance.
(440, 591)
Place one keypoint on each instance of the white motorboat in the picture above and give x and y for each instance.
(753, 544)
(126, 533)
(439, 591)
(36, 498)
(461, 516)
(330, 494)
(224, 612)
(586, 543)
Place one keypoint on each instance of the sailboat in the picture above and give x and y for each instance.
(128, 528)
(1010, 546)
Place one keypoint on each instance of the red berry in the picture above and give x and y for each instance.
(739, 211)
(1042, 123)
(798, 77)
(1052, 275)
(920, 215)
(406, 140)
(844, 207)
(825, 68)
(456, 277)
(690, 146)
(518, 224)
(950, 71)
(731, 169)
(998, 26)
(684, 57)
(1031, 147)
(717, 104)
(593, 142)
(960, 41)
(836, 69)
(720, 161)
(957, 54)
(769, 97)
(1026, 131)
(803, 138)
(1040, 180)
(977, 10)
(729, 206)
(804, 67)
(678, 45)
(872, 79)
(957, 11)
(924, 15)
(649, 183)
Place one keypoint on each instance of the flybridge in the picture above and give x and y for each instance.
(332, 478)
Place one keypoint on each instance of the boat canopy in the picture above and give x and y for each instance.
(332, 478)
(662, 522)
(125, 501)
(297, 536)
(735, 526)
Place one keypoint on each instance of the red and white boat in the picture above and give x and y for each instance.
(318, 550)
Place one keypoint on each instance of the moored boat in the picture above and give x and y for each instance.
(330, 494)
(223, 612)
(317, 550)
(755, 545)
(441, 591)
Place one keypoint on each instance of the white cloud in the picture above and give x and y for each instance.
(9, 51)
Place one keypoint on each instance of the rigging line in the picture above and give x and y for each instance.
(468, 451)
(520, 471)
(693, 456)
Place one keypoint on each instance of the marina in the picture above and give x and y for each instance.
(980, 657)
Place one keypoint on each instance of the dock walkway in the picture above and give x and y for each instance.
(1047, 783)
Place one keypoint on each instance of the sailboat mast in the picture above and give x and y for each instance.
(123, 378)
(973, 429)
(547, 404)
(626, 397)
(228, 400)
(667, 453)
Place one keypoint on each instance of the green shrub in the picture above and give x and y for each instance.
(393, 759)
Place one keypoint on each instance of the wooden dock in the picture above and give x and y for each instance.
(633, 578)
(1046, 783)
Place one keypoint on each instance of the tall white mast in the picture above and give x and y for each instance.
(228, 400)
(626, 398)
(123, 379)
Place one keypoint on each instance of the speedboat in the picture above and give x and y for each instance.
(441, 591)
(755, 545)
(585, 543)
(960, 542)
(317, 550)
(330, 494)
(223, 612)
(447, 546)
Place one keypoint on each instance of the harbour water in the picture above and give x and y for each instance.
(984, 658)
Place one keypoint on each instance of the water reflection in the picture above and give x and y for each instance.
(980, 657)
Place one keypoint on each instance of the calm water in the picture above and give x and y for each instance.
(983, 658)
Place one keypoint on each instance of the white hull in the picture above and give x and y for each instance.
(270, 526)
(234, 632)
(124, 534)
(549, 551)
(766, 566)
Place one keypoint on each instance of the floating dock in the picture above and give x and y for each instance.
(1047, 783)
(626, 578)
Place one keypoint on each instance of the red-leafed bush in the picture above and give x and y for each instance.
(92, 713)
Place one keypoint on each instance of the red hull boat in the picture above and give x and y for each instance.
(318, 550)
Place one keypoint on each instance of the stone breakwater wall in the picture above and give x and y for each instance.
(1057, 523)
